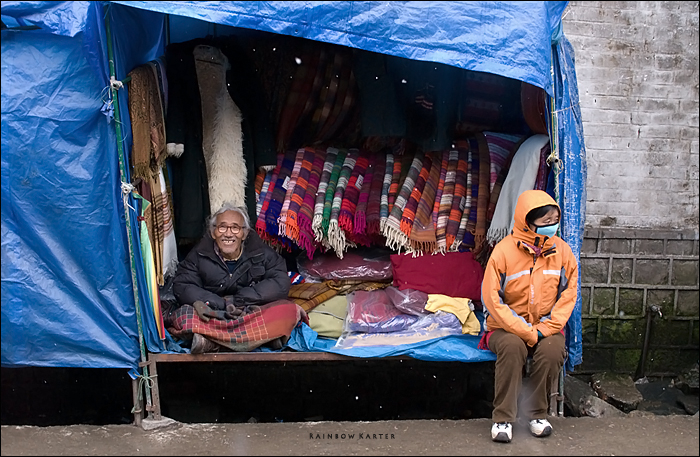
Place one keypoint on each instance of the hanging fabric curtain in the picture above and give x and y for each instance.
(150, 268)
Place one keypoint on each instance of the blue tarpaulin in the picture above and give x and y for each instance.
(67, 290)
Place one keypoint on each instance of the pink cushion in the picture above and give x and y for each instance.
(455, 274)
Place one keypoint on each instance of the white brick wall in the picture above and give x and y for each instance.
(637, 70)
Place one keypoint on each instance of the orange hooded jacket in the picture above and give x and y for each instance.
(530, 281)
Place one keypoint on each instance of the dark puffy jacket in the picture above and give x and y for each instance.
(260, 276)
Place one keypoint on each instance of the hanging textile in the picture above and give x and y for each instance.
(319, 206)
(290, 185)
(149, 268)
(422, 236)
(306, 213)
(297, 198)
(222, 135)
(147, 123)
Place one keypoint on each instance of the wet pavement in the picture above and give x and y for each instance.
(641, 435)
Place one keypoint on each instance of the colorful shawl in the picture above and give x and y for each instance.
(298, 195)
(282, 219)
(336, 235)
(330, 193)
(467, 207)
(395, 181)
(496, 191)
(500, 149)
(422, 236)
(386, 185)
(259, 180)
(306, 235)
(360, 219)
(375, 196)
(440, 186)
(482, 201)
(409, 212)
(316, 222)
(263, 191)
(261, 224)
(243, 333)
(348, 206)
(446, 201)
(278, 194)
(460, 192)
(395, 238)
(468, 240)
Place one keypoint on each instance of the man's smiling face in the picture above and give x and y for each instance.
(229, 234)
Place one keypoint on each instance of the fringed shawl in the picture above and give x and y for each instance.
(459, 194)
(440, 186)
(330, 193)
(409, 212)
(468, 240)
(336, 235)
(348, 207)
(500, 150)
(483, 195)
(316, 223)
(261, 224)
(298, 195)
(290, 185)
(360, 219)
(422, 236)
(467, 206)
(446, 201)
(386, 185)
(395, 238)
(375, 195)
(395, 182)
(306, 235)
(278, 194)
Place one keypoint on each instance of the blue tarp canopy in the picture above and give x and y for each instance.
(67, 279)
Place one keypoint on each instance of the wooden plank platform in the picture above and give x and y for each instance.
(258, 357)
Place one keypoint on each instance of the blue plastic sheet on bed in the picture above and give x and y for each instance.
(453, 348)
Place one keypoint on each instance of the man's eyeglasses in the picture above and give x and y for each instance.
(235, 229)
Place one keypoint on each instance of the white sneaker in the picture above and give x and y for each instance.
(540, 427)
(502, 432)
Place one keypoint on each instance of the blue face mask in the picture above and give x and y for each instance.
(547, 230)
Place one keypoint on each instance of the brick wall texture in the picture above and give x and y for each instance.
(637, 70)
(623, 272)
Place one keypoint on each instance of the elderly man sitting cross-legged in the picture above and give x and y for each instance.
(232, 289)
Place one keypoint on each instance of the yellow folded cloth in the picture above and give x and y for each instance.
(460, 307)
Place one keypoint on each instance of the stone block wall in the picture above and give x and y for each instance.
(638, 80)
(622, 273)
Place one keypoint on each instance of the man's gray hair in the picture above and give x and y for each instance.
(242, 210)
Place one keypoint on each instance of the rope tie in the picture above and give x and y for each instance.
(143, 379)
(127, 189)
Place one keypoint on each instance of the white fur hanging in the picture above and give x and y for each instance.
(227, 169)
(222, 132)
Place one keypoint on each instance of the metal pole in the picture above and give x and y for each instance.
(122, 170)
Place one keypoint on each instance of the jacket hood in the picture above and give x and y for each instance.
(527, 201)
